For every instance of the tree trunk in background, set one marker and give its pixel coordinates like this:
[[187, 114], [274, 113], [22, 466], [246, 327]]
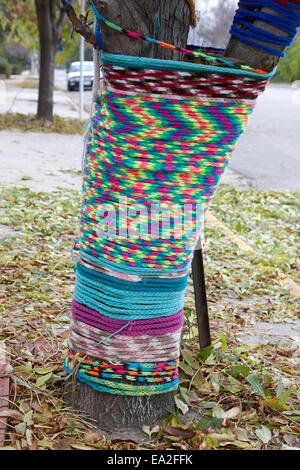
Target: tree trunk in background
[[125, 413], [50, 29]]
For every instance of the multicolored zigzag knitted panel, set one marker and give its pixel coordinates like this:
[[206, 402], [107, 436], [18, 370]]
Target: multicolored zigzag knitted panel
[[159, 143]]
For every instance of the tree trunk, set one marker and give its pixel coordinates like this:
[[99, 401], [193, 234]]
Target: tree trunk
[[143, 16], [49, 32], [117, 412], [46, 83]]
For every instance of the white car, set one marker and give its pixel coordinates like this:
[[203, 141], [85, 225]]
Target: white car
[[73, 75]]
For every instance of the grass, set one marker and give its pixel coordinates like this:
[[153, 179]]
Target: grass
[[33, 83], [29, 123], [246, 396]]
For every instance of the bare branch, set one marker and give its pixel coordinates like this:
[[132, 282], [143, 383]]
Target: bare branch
[[81, 26], [61, 22], [239, 51]]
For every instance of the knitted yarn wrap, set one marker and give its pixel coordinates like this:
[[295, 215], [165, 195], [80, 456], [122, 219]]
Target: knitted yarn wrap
[[162, 135]]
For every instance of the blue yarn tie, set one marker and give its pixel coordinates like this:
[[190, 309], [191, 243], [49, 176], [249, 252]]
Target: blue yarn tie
[[158, 26], [98, 34]]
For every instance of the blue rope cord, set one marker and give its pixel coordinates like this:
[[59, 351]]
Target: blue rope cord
[[287, 21], [158, 26], [98, 34], [145, 285], [126, 305]]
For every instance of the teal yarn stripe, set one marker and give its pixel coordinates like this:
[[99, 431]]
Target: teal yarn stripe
[[150, 285], [162, 64], [129, 308]]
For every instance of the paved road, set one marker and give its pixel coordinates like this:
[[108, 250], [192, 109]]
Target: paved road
[[61, 82], [268, 154]]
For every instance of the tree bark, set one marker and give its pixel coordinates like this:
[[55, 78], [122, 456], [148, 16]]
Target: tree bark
[[50, 29], [117, 412], [141, 16]]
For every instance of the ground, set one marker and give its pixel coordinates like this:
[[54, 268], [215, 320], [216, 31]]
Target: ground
[[242, 392]]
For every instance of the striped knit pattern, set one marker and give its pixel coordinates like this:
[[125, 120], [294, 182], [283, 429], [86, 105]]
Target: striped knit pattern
[[115, 377], [149, 348], [159, 144]]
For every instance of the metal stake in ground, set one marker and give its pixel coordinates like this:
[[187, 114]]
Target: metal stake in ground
[[200, 297]]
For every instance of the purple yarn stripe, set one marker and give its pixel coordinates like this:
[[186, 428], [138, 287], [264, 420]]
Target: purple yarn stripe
[[155, 326]]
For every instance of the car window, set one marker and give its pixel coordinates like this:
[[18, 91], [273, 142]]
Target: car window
[[74, 68], [87, 67]]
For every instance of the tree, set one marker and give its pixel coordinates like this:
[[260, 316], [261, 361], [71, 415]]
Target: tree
[[289, 69], [38, 23], [51, 19], [117, 411], [18, 23]]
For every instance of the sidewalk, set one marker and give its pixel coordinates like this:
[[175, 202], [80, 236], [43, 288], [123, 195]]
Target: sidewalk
[[24, 100], [41, 162]]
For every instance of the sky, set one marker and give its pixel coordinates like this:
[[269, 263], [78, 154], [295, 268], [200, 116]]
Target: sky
[[212, 2]]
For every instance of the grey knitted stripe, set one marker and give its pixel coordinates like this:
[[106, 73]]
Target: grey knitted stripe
[[123, 348]]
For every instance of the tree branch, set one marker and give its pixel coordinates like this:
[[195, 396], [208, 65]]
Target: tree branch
[[52, 15], [61, 21], [81, 25], [241, 52]]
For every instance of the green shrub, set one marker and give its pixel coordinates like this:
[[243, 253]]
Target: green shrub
[[289, 68], [5, 68], [16, 68]]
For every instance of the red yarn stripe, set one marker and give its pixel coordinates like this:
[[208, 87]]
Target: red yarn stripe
[[284, 2]]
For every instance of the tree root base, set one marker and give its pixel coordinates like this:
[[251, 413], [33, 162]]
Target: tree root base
[[119, 414]]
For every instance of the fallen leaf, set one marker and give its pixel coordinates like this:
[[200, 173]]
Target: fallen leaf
[[179, 432], [20, 429], [45, 444], [43, 379], [241, 434], [91, 437], [14, 414], [28, 418], [181, 405], [233, 412], [264, 434], [80, 447]]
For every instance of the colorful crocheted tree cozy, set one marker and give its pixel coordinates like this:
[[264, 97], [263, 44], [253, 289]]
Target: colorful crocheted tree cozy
[[162, 135]]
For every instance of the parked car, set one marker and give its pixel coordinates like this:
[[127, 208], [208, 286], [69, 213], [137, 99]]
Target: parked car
[[73, 75]]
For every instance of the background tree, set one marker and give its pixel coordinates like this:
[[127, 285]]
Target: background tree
[[38, 24], [51, 18], [18, 33], [289, 69]]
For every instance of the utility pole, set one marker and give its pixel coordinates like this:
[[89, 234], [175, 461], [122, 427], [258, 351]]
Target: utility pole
[[81, 83]]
